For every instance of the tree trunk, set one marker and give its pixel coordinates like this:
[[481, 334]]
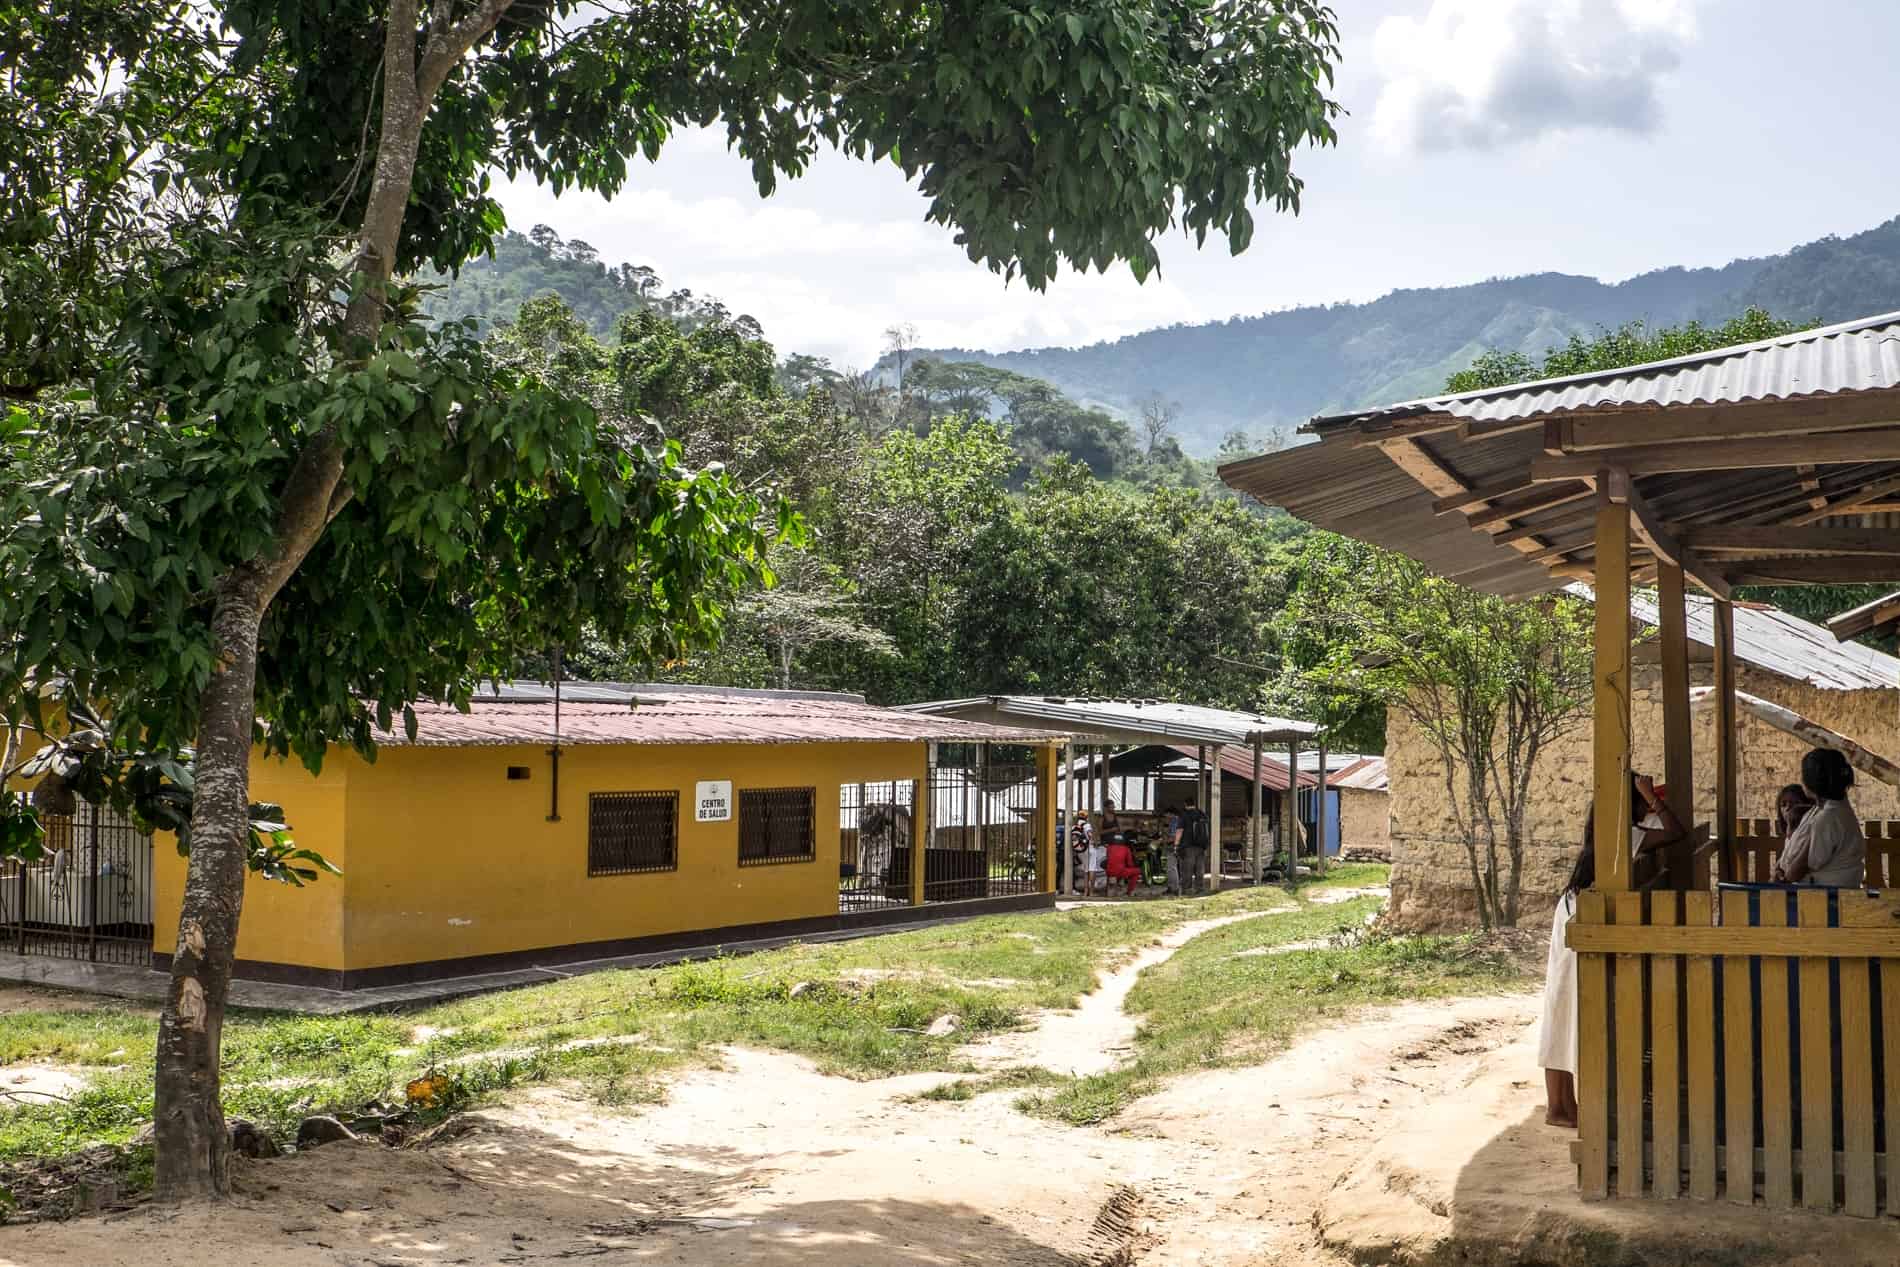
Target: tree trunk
[[194, 1148], [192, 1142]]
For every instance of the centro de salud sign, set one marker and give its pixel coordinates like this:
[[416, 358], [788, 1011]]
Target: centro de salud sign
[[713, 801]]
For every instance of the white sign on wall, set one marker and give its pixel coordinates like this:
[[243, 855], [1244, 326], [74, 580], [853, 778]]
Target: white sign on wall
[[713, 801]]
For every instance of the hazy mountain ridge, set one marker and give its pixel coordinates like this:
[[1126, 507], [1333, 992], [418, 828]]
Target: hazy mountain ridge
[[1275, 370]]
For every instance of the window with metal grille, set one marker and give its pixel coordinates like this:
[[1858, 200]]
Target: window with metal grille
[[632, 831], [777, 824]]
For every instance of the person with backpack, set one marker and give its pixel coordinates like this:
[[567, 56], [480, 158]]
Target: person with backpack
[[1191, 841]]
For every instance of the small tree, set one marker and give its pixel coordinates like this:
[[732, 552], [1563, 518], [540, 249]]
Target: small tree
[[1157, 418], [1488, 682], [811, 606]]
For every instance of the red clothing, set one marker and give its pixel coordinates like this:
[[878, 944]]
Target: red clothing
[[1121, 865]]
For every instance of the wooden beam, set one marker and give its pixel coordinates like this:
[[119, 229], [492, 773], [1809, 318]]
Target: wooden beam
[[1319, 814], [1719, 453], [1802, 571], [1419, 462], [1423, 425], [1213, 826], [1725, 737], [1804, 942], [1678, 739], [1290, 814], [1475, 498], [1618, 487], [1494, 518], [1732, 422], [1865, 508], [1611, 748], [1436, 476], [1757, 541], [1844, 503]]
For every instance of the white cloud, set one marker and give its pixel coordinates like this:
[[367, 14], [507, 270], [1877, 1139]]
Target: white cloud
[[1479, 74]]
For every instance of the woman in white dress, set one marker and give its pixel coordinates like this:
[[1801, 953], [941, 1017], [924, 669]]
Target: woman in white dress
[[1653, 826]]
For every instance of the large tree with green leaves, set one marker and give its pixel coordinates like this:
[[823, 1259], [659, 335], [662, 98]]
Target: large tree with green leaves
[[249, 481]]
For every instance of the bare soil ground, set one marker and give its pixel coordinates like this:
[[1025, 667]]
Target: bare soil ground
[[768, 1162]]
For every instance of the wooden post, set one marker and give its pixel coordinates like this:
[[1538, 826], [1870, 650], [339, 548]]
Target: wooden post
[[1725, 733], [1213, 826], [1319, 814], [1678, 741], [1611, 773], [925, 827], [1290, 816], [1253, 860]]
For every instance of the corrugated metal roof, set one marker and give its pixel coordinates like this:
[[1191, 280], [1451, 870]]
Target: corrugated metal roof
[[1853, 356], [1238, 761], [1771, 639], [689, 718], [1866, 618], [1156, 720], [1371, 774]]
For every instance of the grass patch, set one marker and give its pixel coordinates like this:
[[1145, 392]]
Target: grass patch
[[1213, 1004], [964, 1089], [858, 1008]]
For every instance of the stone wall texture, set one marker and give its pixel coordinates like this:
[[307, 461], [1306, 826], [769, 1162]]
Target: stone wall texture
[[1431, 875], [1364, 820]]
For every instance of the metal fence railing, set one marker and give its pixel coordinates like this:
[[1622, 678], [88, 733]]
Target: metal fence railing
[[985, 817], [874, 842], [89, 897]]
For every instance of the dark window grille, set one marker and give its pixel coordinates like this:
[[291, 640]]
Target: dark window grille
[[629, 832], [777, 824]]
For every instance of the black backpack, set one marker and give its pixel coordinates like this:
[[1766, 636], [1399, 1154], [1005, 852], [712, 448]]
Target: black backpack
[[1194, 830]]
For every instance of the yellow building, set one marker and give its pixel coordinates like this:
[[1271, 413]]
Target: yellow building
[[526, 832]]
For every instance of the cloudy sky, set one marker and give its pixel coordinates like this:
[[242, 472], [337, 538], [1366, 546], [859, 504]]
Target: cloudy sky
[[1485, 138]]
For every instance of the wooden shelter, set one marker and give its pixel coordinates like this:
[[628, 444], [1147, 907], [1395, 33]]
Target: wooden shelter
[[1743, 1043], [1097, 727]]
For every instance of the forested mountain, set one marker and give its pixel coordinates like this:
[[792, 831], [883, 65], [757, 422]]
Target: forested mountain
[[536, 263], [1275, 370]]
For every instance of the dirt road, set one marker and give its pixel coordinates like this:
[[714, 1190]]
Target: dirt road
[[768, 1162]]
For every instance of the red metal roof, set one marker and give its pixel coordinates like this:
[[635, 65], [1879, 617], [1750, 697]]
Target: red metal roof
[[1238, 761], [695, 718]]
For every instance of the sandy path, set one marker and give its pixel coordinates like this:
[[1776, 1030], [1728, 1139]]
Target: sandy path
[[768, 1162], [1098, 1033]]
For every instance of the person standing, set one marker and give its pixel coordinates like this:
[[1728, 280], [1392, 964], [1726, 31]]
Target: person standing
[[1828, 847], [1653, 826], [1170, 837], [1190, 846]]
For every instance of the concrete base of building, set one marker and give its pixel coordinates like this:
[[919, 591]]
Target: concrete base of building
[[290, 987]]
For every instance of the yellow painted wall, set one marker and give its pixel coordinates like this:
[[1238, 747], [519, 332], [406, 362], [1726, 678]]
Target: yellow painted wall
[[444, 857], [450, 859], [281, 923]]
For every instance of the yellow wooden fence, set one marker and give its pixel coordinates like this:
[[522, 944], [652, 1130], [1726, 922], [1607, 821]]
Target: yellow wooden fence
[[1753, 850], [1745, 1044]]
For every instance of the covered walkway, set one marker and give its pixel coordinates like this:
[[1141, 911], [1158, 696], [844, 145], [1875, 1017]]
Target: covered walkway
[[1097, 728]]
